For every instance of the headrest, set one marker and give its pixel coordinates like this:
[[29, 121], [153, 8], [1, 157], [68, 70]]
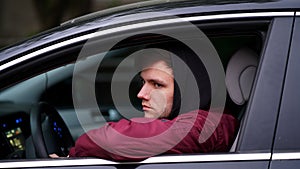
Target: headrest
[[240, 75]]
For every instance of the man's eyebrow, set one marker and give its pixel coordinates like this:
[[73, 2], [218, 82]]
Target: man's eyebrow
[[157, 81], [154, 79]]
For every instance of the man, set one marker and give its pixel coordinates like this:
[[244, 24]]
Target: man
[[172, 122]]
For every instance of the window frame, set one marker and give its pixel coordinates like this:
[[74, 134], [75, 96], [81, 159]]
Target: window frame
[[286, 143]]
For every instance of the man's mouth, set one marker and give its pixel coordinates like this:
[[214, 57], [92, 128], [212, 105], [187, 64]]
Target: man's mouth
[[146, 107]]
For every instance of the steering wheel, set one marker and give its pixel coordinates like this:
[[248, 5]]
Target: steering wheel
[[49, 132]]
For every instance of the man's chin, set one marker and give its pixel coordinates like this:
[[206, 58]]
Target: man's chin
[[150, 115]]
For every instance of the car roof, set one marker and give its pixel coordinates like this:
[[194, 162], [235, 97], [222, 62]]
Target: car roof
[[176, 7], [171, 7]]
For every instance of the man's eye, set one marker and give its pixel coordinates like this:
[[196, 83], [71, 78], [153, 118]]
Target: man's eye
[[157, 85]]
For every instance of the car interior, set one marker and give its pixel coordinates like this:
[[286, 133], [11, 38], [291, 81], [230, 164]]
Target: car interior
[[42, 99]]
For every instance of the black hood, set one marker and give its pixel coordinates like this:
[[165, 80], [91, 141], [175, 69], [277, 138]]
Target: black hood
[[192, 89]]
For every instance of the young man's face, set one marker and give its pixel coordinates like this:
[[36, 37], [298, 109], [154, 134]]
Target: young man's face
[[157, 91]]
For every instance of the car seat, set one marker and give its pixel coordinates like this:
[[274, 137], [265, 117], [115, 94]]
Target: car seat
[[240, 74]]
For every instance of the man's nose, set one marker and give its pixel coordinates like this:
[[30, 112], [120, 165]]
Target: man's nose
[[144, 93]]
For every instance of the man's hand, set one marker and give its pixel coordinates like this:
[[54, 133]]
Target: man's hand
[[56, 156]]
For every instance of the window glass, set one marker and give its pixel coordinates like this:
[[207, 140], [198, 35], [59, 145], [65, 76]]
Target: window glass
[[56, 87]]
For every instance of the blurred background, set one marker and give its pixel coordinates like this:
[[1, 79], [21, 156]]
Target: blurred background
[[20, 19]]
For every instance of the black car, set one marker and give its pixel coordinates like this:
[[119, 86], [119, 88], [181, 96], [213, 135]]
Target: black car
[[47, 81]]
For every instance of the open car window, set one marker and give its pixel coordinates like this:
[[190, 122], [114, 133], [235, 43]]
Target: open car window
[[55, 85]]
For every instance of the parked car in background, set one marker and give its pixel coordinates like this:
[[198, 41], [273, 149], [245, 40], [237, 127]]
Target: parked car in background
[[46, 81]]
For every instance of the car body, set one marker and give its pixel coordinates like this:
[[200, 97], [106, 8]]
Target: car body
[[41, 68]]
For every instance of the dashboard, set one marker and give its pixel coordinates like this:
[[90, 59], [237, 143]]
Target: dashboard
[[15, 129]]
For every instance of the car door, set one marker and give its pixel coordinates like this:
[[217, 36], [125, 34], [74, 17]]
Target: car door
[[255, 140], [287, 139], [259, 123]]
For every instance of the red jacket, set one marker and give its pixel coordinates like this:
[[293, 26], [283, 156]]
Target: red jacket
[[141, 138]]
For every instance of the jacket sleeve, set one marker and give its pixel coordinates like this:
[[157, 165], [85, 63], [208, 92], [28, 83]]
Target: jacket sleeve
[[122, 141], [141, 138]]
